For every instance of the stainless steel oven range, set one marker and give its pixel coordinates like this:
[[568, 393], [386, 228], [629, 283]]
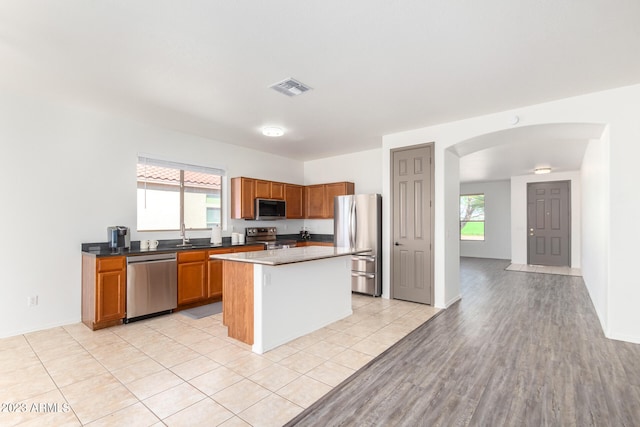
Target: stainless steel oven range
[[268, 237]]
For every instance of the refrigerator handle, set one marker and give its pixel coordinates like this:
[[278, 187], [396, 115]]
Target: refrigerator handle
[[353, 226]]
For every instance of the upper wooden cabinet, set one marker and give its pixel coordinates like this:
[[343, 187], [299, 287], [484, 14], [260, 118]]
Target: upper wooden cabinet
[[312, 201], [269, 190], [294, 196], [277, 190], [243, 195], [335, 189], [319, 198]]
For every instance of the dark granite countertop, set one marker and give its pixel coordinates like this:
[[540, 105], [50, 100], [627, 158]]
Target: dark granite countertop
[[101, 249]]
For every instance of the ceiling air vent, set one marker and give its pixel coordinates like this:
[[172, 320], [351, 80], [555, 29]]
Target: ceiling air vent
[[290, 87]]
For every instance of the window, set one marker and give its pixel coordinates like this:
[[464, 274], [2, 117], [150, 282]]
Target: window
[[170, 194], [472, 217]]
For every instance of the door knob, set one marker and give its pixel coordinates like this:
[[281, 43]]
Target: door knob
[[397, 244]]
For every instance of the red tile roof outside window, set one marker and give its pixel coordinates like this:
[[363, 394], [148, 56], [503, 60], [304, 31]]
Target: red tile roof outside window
[[170, 176]]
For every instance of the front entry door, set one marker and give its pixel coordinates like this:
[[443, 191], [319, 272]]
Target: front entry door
[[412, 260], [549, 223]]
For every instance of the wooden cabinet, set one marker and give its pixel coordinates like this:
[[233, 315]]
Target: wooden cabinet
[[263, 189], [332, 190], [192, 277], [215, 272], [269, 190], [277, 190], [214, 289], [104, 284], [314, 244], [319, 198], [294, 196], [312, 201], [243, 195]]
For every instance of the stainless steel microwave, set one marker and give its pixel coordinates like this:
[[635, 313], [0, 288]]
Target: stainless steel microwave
[[268, 209]]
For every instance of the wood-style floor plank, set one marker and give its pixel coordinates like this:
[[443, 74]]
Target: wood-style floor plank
[[519, 349]]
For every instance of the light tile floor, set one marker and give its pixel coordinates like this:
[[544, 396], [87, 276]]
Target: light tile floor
[[174, 370], [545, 269]]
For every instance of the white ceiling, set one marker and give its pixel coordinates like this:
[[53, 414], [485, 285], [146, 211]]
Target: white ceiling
[[377, 67]]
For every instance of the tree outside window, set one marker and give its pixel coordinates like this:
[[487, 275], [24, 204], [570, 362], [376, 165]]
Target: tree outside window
[[472, 217]]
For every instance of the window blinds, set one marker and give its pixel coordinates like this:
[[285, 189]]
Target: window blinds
[[176, 165]]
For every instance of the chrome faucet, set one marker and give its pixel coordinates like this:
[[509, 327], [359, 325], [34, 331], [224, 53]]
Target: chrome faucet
[[183, 234]]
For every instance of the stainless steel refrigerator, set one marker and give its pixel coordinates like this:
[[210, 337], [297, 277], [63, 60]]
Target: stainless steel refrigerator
[[358, 224]]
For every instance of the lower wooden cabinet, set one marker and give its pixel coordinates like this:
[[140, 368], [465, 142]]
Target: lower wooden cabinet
[[214, 288], [104, 286], [104, 283], [192, 277], [248, 248], [215, 272], [200, 278], [314, 244]]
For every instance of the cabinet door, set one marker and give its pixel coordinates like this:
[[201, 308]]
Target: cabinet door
[[314, 201], [263, 189], [214, 273], [277, 190], [243, 192], [333, 190], [294, 196], [192, 282], [215, 278], [110, 296]]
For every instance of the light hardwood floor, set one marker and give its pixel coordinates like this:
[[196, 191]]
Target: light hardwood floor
[[517, 350]]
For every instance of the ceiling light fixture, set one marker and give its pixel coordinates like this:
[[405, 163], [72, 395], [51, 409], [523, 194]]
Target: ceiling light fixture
[[540, 171], [272, 131]]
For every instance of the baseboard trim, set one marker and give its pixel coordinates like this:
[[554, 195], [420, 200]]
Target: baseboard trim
[[9, 334], [452, 301], [623, 337]]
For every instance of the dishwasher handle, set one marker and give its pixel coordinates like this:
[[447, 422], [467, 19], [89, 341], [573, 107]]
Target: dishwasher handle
[[148, 259]]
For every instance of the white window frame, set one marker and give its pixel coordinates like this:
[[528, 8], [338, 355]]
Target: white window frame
[[182, 167]]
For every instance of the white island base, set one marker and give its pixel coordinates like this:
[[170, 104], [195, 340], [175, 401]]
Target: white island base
[[295, 299], [269, 304]]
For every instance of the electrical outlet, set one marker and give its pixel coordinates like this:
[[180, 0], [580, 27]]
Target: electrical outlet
[[32, 301]]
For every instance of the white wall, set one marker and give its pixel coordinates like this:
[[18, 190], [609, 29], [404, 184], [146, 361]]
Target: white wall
[[519, 214], [66, 174], [497, 223], [595, 214], [364, 169], [617, 108]]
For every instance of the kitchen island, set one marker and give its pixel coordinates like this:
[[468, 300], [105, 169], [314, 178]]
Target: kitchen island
[[272, 297]]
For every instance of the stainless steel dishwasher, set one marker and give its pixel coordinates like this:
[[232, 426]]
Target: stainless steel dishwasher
[[152, 285]]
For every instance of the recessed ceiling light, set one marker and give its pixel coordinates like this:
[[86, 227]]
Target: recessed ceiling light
[[272, 131], [540, 171]]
